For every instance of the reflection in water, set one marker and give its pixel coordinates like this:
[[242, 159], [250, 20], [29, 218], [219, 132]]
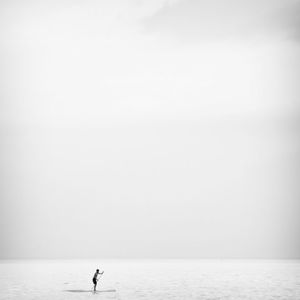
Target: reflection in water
[[89, 291]]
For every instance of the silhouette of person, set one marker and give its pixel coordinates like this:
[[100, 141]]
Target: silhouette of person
[[95, 278]]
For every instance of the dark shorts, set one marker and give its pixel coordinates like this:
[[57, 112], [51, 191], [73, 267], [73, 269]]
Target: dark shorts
[[94, 281]]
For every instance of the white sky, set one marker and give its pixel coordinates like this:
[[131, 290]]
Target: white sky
[[149, 129]]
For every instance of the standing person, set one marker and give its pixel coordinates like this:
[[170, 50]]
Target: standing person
[[95, 279]]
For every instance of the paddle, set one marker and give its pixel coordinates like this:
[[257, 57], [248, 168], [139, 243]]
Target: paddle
[[100, 276]]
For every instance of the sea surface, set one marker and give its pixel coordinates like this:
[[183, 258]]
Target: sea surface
[[151, 279]]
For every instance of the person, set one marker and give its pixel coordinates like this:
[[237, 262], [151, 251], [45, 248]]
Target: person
[[95, 278]]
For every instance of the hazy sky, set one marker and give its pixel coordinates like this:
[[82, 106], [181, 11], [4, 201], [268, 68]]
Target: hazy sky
[[149, 129]]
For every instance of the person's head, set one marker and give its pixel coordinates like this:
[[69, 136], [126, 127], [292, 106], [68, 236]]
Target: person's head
[[97, 270]]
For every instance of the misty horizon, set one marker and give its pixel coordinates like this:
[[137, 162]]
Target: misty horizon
[[139, 130]]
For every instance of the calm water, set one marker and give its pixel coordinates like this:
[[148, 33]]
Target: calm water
[[165, 279]]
